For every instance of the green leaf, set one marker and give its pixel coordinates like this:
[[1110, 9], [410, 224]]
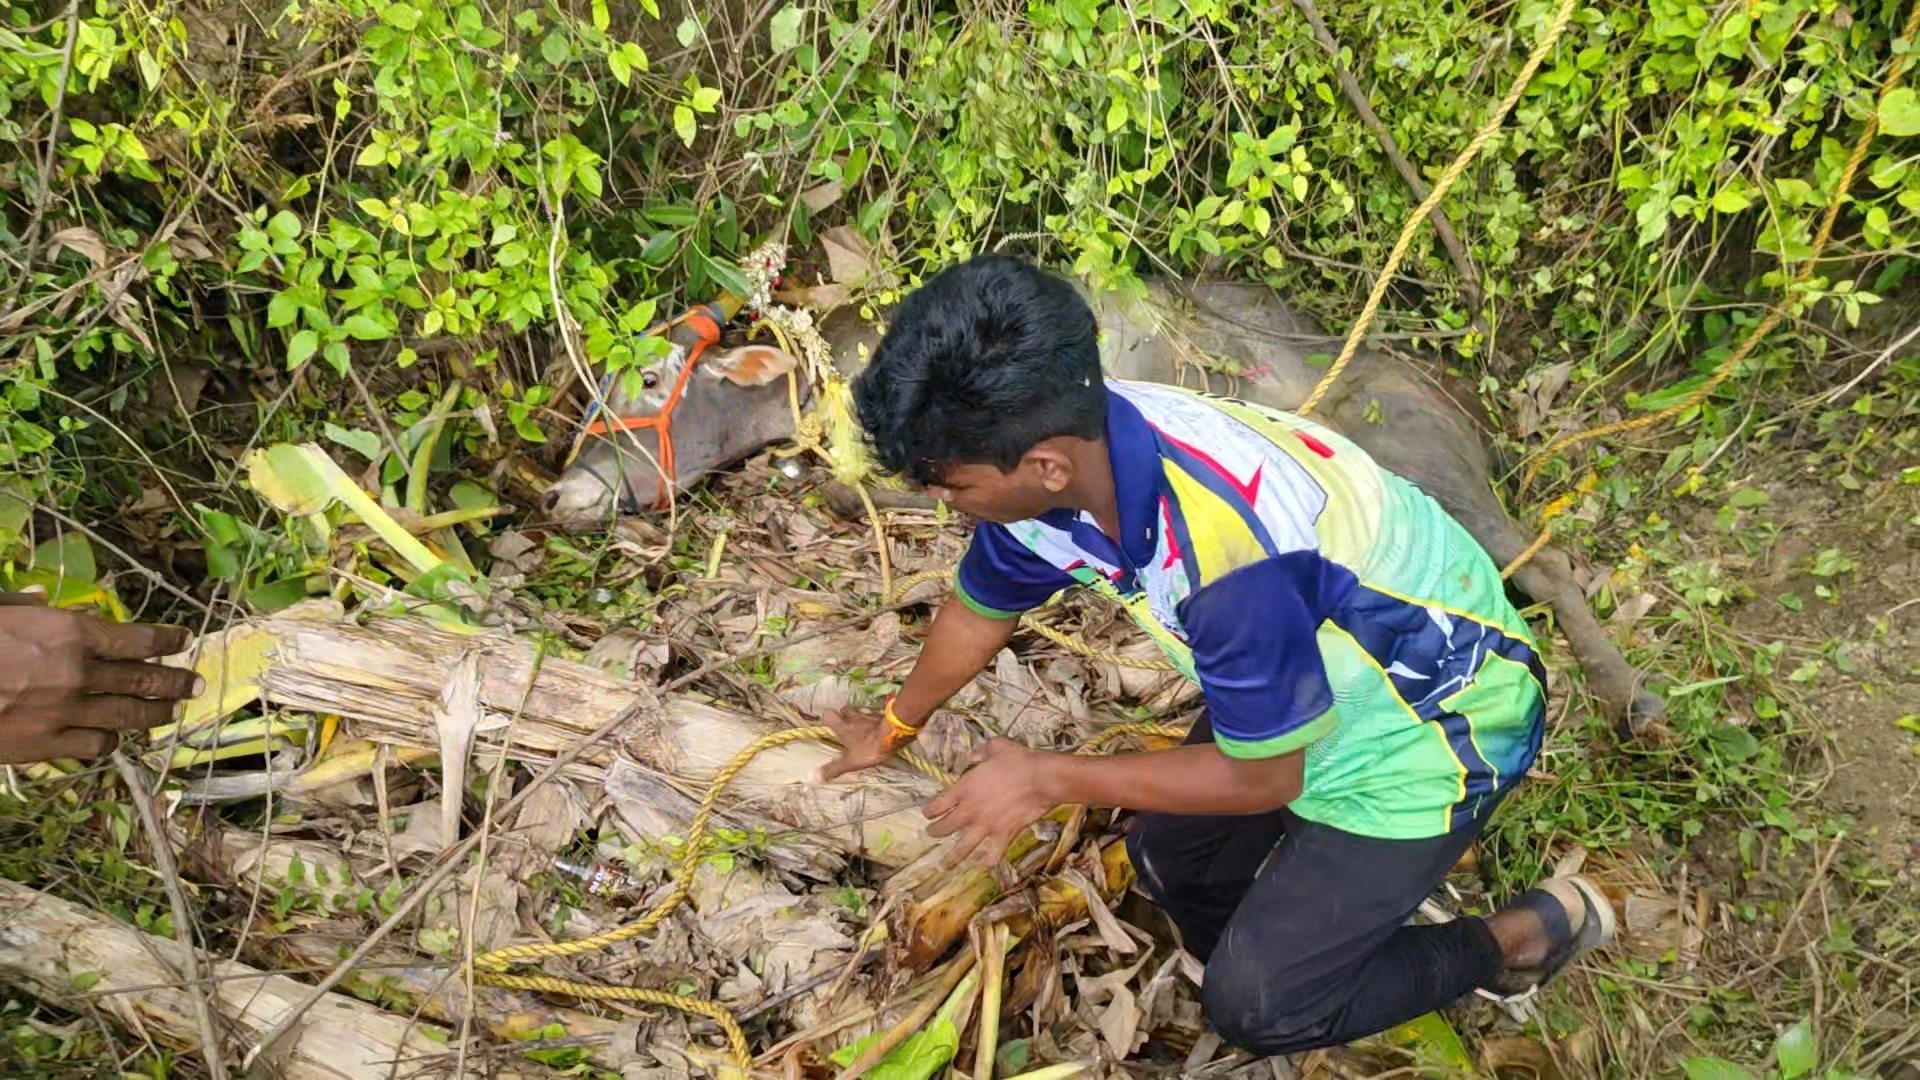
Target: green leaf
[[555, 50], [364, 443], [364, 328], [617, 64], [16, 509], [924, 1053], [400, 16], [282, 310], [1433, 1039], [304, 345], [684, 125], [726, 276], [1713, 1068], [1731, 200], [601, 20], [1797, 1051], [337, 356], [673, 216], [784, 27], [68, 556], [1116, 114], [706, 98], [687, 32], [1735, 744], [283, 226], [303, 480], [1900, 113]]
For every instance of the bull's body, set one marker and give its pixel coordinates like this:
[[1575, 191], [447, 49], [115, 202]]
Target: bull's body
[[1403, 416]]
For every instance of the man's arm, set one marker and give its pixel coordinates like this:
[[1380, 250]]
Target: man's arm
[[1253, 639], [1185, 780], [1015, 786], [960, 645], [997, 580]]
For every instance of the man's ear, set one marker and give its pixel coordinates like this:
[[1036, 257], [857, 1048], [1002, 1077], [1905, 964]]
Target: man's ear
[[1052, 464], [752, 365]]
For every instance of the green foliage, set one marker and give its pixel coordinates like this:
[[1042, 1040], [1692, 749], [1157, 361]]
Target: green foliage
[[1796, 1053], [377, 221]]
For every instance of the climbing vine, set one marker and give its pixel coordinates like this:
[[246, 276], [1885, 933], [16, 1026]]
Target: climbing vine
[[339, 188]]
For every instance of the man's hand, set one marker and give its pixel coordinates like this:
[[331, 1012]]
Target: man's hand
[[1008, 789], [865, 739], [70, 683]]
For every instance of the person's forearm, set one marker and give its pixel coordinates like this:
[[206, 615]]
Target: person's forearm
[[1184, 780], [960, 645]]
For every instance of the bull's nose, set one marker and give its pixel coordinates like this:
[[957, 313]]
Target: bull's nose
[[579, 495]]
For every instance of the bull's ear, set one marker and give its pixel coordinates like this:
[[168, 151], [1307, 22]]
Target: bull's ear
[[753, 365]]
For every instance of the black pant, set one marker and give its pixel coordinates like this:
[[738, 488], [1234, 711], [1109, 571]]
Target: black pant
[[1309, 948]]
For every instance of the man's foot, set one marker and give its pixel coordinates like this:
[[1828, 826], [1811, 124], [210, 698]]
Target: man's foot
[[1546, 929]]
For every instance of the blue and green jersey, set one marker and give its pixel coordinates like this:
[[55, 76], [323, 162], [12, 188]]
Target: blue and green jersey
[[1319, 601]]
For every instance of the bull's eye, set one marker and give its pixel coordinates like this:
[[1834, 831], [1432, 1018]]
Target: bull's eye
[[650, 379]]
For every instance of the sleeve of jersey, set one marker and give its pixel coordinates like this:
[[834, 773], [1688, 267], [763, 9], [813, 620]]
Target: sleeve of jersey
[[1000, 577], [1254, 650]]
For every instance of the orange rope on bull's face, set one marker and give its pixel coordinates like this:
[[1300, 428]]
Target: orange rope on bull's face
[[707, 332]]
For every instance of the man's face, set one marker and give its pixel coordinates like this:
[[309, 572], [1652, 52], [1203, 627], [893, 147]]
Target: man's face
[[984, 492]]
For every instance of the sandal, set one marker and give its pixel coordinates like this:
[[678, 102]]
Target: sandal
[[1597, 928]]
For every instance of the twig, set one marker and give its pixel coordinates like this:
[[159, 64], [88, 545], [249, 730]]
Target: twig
[[132, 563], [29, 249], [1806, 897], [450, 858], [480, 869], [1884, 356], [182, 917], [1357, 97]]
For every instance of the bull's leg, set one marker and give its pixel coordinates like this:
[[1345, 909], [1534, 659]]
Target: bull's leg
[[1548, 579]]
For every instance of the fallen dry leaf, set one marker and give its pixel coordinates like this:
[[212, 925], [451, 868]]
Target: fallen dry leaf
[[851, 260], [821, 196], [1120, 1023], [83, 240], [820, 298], [1533, 400], [454, 722], [1517, 1057]]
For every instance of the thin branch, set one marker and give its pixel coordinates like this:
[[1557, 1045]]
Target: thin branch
[[1885, 355], [134, 564], [1462, 262], [182, 916], [41, 197]]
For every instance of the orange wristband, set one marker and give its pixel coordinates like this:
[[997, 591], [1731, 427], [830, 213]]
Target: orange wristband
[[900, 730]]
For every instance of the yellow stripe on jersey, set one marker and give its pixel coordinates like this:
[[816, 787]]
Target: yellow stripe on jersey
[[1222, 541]]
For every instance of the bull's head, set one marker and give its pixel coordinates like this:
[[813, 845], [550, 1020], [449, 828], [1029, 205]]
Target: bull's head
[[701, 407]]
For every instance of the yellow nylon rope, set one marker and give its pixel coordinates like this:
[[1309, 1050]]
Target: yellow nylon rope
[[1774, 313], [1440, 188]]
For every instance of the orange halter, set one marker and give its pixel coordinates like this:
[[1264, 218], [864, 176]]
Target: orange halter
[[706, 331]]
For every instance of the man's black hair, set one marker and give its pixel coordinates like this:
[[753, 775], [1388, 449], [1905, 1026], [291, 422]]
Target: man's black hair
[[981, 363]]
